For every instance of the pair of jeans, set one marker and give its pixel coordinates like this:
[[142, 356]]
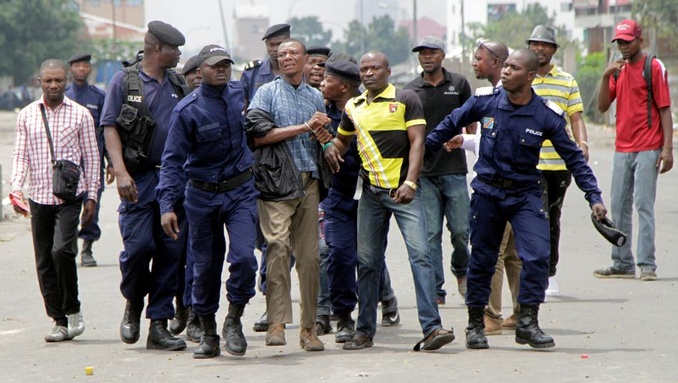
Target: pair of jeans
[[55, 229], [554, 184], [634, 182], [374, 213], [447, 196]]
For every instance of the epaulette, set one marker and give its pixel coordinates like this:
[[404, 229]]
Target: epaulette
[[552, 105], [253, 64], [97, 90], [188, 100], [486, 91]]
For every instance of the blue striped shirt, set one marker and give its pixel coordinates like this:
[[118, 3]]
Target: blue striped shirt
[[292, 106]]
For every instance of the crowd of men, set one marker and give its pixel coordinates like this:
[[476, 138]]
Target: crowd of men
[[298, 161]]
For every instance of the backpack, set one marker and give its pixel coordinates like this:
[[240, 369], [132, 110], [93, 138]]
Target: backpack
[[647, 75], [137, 125]]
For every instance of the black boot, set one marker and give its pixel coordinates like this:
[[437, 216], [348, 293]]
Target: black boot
[[129, 327], [345, 329], [193, 328], [159, 338], [528, 331], [209, 344], [178, 323], [475, 332], [232, 331]]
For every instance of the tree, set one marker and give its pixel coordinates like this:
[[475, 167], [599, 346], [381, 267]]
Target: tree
[[588, 76], [381, 35], [310, 31], [32, 31], [660, 15]]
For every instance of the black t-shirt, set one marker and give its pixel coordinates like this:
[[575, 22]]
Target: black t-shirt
[[438, 102]]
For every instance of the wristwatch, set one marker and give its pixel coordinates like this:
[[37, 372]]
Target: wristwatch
[[411, 184]]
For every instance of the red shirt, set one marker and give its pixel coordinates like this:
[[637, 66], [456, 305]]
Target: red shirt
[[630, 90], [72, 130]]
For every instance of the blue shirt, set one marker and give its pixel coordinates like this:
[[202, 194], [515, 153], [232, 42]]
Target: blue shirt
[[206, 141], [253, 78], [88, 96], [292, 106], [160, 100], [511, 140]]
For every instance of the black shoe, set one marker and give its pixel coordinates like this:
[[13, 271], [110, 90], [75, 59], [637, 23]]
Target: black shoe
[[193, 330], [178, 323], [209, 344], [86, 257], [475, 332], [345, 329], [528, 331], [159, 338], [129, 327], [261, 325], [322, 325], [389, 312], [236, 344]]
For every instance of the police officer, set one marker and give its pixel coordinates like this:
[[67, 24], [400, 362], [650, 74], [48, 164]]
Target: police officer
[[191, 73], [257, 72], [207, 134], [314, 69], [145, 93], [514, 122], [91, 98]]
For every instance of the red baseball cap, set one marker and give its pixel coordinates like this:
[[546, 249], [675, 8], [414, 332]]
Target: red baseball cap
[[627, 30]]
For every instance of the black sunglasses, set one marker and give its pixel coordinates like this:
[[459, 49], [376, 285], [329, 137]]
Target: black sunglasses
[[482, 45]]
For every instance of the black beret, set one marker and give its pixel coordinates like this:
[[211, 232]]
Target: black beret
[[319, 51], [166, 33], [607, 229], [277, 30], [345, 70], [191, 65], [79, 57]]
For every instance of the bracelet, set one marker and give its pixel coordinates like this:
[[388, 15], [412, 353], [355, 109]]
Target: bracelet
[[411, 184], [327, 145], [583, 143], [309, 127]]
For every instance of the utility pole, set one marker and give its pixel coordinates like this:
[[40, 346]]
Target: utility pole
[[223, 26]]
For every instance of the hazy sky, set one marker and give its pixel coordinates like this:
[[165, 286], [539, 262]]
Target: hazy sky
[[199, 19]]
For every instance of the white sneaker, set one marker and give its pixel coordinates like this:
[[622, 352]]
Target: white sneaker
[[552, 290], [76, 325]]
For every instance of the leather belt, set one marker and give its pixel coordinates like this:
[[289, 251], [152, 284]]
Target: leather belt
[[223, 186], [503, 183]]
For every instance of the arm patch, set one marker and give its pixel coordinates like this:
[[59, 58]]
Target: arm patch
[[253, 64], [485, 91], [555, 108]]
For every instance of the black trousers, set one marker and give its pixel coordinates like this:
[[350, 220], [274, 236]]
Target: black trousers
[[554, 184], [55, 230]]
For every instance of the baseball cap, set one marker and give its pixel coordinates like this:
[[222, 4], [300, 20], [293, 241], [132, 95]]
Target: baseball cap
[[627, 30], [212, 54]]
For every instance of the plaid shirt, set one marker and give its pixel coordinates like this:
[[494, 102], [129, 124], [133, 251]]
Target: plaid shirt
[[74, 139]]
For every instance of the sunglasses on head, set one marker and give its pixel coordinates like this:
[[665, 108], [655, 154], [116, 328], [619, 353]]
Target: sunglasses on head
[[481, 44]]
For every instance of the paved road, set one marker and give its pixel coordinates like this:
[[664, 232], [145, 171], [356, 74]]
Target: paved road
[[605, 330]]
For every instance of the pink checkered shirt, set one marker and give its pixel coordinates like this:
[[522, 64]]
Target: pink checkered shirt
[[74, 139]]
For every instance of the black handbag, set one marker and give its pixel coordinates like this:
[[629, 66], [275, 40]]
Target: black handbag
[[65, 173]]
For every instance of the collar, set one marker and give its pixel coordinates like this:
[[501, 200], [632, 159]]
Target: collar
[[212, 91], [66, 101], [505, 104], [552, 73], [447, 77], [389, 93]]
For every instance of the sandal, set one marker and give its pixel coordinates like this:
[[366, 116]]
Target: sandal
[[435, 340], [358, 342]]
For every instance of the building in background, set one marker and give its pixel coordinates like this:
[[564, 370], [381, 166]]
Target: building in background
[[251, 21]]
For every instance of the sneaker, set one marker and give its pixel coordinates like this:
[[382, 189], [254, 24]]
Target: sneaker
[[76, 325], [461, 286], [87, 260], [613, 272], [389, 313], [648, 275], [552, 290], [261, 325], [58, 334]]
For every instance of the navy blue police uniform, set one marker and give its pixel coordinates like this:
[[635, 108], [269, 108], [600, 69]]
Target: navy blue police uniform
[[92, 98], [507, 186], [211, 149]]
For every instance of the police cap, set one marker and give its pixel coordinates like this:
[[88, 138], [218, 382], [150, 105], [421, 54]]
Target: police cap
[[191, 65], [79, 57], [344, 70], [277, 30], [166, 33], [212, 54], [319, 51], [543, 33], [607, 229]]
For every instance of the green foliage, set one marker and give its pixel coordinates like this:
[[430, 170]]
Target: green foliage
[[381, 35], [32, 31], [310, 31], [107, 49], [661, 15], [588, 76]]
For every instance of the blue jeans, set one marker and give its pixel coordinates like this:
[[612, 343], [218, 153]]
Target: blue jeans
[[374, 212], [634, 181], [447, 196]]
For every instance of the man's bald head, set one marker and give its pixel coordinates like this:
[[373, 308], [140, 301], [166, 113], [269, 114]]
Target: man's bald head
[[53, 64], [376, 55], [528, 58], [497, 48]]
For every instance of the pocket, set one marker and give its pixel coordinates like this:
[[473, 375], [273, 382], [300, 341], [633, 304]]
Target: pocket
[[210, 132], [526, 154]]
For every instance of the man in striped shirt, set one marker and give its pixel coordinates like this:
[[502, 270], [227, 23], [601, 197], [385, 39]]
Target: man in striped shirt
[[54, 222], [560, 87]]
